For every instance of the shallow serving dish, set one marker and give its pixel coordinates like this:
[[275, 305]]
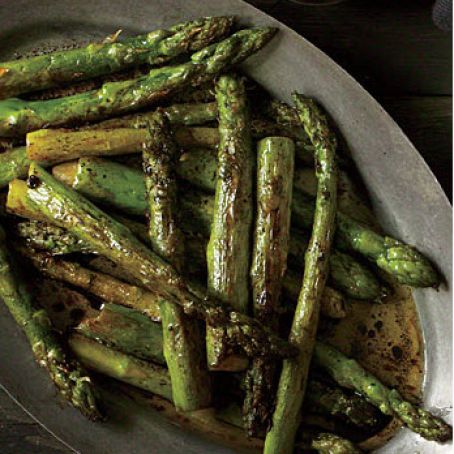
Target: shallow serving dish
[[406, 197]]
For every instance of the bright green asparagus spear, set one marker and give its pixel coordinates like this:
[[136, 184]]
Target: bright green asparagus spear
[[70, 379], [228, 248], [275, 165], [182, 337], [70, 210], [122, 187], [18, 117], [154, 48], [350, 374], [400, 260], [292, 384], [126, 330]]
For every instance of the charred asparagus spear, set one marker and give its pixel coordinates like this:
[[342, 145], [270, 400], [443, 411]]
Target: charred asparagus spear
[[350, 374], [71, 380], [99, 284], [182, 337], [66, 209], [123, 188], [275, 165], [154, 48], [294, 373], [18, 117], [228, 248]]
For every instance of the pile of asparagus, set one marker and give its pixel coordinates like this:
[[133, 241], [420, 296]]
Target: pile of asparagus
[[203, 225]]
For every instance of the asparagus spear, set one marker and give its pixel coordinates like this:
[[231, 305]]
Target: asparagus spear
[[68, 376], [70, 210], [182, 337], [154, 48], [294, 373], [275, 164], [126, 330], [134, 371], [18, 117], [228, 247], [178, 114], [59, 145], [99, 284], [350, 374], [404, 262]]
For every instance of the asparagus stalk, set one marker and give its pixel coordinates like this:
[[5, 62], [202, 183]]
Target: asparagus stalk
[[18, 117], [99, 284], [70, 210], [134, 371], [126, 330], [122, 187], [178, 114], [350, 374], [228, 248], [275, 165], [60, 145], [182, 337], [154, 48], [294, 373], [67, 374]]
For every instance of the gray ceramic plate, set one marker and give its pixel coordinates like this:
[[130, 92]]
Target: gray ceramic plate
[[407, 198]]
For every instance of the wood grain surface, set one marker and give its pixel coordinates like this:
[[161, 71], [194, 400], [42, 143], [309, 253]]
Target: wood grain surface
[[394, 50]]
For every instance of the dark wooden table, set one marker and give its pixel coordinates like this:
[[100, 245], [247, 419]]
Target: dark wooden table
[[397, 53]]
